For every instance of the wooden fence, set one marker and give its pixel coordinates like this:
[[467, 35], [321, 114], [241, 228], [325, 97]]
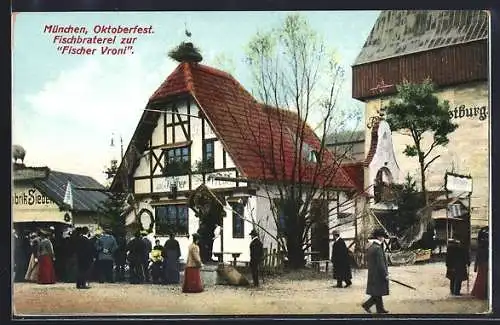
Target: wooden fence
[[272, 261]]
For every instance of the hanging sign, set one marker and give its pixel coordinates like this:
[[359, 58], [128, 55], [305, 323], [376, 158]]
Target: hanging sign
[[458, 183]]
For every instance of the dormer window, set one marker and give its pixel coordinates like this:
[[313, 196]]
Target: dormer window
[[313, 156], [309, 154]]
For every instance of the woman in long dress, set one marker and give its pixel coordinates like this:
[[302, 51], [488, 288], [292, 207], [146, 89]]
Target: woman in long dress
[[33, 267], [192, 276], [171, 255], [46, 273], [480, 289]]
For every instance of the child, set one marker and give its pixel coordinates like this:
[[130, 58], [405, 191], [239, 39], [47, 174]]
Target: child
[[157, 259]]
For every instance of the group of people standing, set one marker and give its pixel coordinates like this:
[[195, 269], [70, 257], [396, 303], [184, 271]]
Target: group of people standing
[[164, 260], [457, 260], [41, 261], [94, 257]]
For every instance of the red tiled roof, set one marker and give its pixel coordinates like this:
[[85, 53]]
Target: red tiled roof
[[251, 132], [373, 144], [356, 174]]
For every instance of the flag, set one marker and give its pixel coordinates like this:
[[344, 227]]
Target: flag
[[68, 196]]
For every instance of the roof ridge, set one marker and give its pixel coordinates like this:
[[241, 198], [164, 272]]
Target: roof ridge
[[188, 76], [214, 71]]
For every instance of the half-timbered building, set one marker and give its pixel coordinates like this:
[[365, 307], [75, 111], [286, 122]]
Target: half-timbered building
[[202, 127]]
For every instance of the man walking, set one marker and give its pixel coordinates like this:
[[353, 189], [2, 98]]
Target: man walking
[[106, 246], [84, 257], [340, 261], [378, 275], [256, 254]]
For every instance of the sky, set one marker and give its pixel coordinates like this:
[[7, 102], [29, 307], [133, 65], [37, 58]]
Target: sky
[[65, 108]]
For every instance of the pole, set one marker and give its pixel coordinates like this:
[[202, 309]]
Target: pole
[[222, 239], [468, 246]]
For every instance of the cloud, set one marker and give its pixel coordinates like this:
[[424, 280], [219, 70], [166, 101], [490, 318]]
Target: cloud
[[67, 124], [100, 92]]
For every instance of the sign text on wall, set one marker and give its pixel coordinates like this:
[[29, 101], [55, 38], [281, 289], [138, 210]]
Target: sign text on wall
[[31, 197], [480, 112], [166, 184]]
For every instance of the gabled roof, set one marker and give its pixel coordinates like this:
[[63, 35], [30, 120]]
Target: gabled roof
[[345, 137], [54, 187], [241, 123], [403, 32], [356, 172]]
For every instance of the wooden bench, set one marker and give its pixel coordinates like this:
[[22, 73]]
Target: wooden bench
[[220, 255], [317, 265]]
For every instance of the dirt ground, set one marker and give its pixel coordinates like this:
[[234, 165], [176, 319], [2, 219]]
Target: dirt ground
[[288, 294]]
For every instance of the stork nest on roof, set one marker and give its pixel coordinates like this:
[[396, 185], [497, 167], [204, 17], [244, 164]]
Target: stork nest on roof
[[185, 52]]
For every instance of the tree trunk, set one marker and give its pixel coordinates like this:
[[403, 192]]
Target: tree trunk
[[422, 181], [294, 240], [296, 255]]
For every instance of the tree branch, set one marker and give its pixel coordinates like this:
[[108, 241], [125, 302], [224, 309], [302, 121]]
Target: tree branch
[[430, 162]]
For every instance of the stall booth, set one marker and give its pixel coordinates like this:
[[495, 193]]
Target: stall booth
[[456, 223], [39, 201]]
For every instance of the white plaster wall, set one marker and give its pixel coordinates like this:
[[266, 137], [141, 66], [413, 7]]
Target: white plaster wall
[[157, 136]]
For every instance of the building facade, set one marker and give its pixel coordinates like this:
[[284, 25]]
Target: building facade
[[451, 48], [38, 199], [202, 127]]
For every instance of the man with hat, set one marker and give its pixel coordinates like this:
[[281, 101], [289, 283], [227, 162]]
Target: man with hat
[[340, 261], [106, 247], [256, 254], [378, 275], [136, 251], [457, 259], [84, 257]]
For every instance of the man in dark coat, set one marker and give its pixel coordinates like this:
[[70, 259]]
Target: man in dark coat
[[171, 254], [121, 258], [457, 259], [84, 257], [340, 261], [378, 275], [136, 251], [148, 249], [256, 254]]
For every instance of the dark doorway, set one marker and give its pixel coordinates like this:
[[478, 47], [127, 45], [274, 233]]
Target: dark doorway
[[320, 236]]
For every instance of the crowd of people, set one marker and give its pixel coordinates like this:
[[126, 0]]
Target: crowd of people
[[76, 255], [100, 257]]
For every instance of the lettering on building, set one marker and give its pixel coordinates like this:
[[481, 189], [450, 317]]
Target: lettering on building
[[31, 198], [166, 184], [462, 111]]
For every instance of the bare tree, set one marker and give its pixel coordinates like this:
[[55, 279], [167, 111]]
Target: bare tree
[[297, 80]]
